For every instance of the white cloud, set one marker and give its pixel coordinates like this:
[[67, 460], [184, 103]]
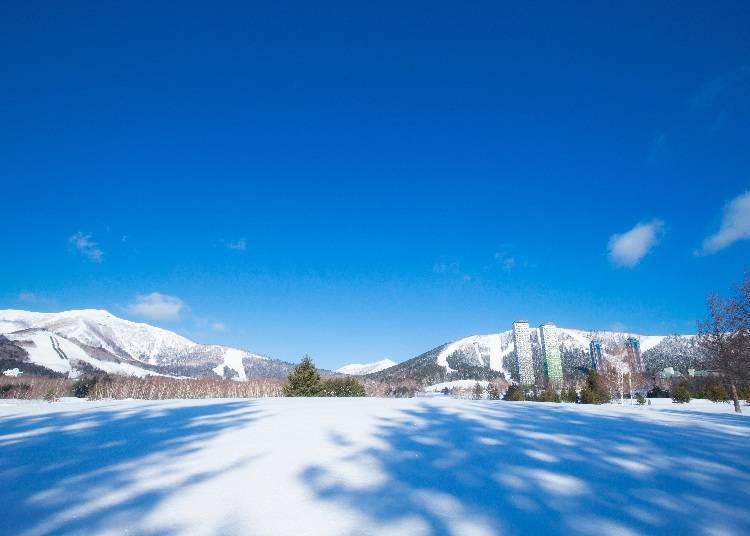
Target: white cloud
[[452, 269], [240, 245], [735, 225], [627, 249], [218, 326], [83, 243], [157, 306], [506, 262], [28, 297]]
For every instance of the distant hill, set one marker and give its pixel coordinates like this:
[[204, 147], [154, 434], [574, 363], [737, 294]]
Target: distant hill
[[95, 341], [357, 369], [488, 357]]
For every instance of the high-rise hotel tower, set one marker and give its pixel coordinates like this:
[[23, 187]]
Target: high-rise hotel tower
[[595, 349], [522, 342], [551, 352], [633, 349]]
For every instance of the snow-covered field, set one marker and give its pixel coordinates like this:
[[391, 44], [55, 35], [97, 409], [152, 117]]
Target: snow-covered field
[[372, 466]]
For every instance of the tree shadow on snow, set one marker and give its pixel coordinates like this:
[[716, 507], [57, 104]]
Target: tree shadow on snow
[[507, 468], [80, 470]]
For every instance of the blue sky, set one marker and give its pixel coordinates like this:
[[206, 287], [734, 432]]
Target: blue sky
[[360, 182]]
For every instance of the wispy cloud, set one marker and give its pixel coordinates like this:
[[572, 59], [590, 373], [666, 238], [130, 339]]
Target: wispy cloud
[[218, 326], [28, 297], [85, 245], [451, 268], [658, 142], [627, 249], [719, 97], [506, 262], [713, 90], [239, 245], [735, 225], [156, 306]]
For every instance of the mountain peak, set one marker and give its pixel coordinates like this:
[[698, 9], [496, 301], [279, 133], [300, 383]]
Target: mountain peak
[[74, 341], [358, 369]]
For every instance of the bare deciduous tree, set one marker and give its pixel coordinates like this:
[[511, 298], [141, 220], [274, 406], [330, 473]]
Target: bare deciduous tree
[[724, 337]]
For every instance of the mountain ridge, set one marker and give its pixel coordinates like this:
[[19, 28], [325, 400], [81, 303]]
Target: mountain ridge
[[85, 340], [492, 356], [88, 341], [359, 369]]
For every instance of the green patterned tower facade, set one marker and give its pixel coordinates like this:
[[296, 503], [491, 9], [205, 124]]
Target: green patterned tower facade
[[551, 353]]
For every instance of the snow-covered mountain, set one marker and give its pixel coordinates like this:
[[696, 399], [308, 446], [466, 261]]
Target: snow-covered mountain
[[84, 341], [74, 342], [488, 357], [359, 369]]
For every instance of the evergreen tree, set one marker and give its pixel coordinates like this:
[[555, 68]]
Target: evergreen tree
[[595, 391], [658, 392], [493, 393], [304, 380], [570, 395], [346, 386], [640, 398], [514, 394], [681, 395], [548, 395], [717, 393], [478, 391], [83, 387], [588, 396]]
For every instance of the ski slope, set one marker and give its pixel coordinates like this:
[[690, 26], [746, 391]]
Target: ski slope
[[113, 345], [373, 467], [359, 369]]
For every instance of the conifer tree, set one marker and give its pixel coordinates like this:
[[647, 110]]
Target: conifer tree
[[681, 395], [347, 386], [304, 380], [595, 391], [570, 395], [717, 393], [514, 393]]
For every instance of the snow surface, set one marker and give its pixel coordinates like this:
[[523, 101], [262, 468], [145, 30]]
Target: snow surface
[[43, 353], [372, 466], [358, 369], [478, 345]]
